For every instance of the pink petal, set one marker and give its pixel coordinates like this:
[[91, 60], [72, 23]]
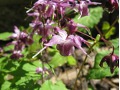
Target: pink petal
[[55, 40], [16, 30], [63, 34]]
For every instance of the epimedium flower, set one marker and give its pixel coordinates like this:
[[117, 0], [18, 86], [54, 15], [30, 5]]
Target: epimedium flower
[[16, 55], [73, 27], [21, 36], [82, 7], [48, 8], [41, 70], [112, 61], [113, 4], [66, 43], [44, 30], [61, 6], [110, 5], [45, 8], [21, 39]]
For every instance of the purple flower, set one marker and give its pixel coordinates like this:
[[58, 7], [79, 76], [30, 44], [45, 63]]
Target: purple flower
[[66, 43], [50, 11], [82, 7], [112, 61], [16, 34], [61, 6], [44, 30], [21, 39], [72, 27], [19, 46], [110, 5], [113, 5], [16, 55], [21, 36], [41, 70]]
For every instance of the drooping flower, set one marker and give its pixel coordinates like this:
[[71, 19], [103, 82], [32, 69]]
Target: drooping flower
[[112, 61]]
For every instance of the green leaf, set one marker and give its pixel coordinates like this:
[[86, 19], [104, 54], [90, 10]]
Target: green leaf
[[116, 51], [48, 85], [115, 42], [8, 48], [71, 60], [105, 26], [91, 20], [99, 57], [111, 32], [6, 85], [105, 29], [29, 67], [37, 63], [57, 60], [101, 73], [2, 59], [22, 80], [5, 36], [98, 72], [36, 45]]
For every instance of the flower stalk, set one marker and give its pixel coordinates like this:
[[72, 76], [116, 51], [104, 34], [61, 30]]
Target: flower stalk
[[80, 68]]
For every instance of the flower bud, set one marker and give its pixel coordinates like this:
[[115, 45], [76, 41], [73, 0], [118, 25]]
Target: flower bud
[[39, 70]]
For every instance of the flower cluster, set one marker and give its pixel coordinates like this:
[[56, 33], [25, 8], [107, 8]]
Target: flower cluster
[[50, 21], [21, 39]]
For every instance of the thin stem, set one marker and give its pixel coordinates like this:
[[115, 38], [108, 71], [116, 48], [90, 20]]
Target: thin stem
[[99, 31], [42, 72], [86, 35], [80, 68], [102, 36], [111, 25], [39, 52]]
